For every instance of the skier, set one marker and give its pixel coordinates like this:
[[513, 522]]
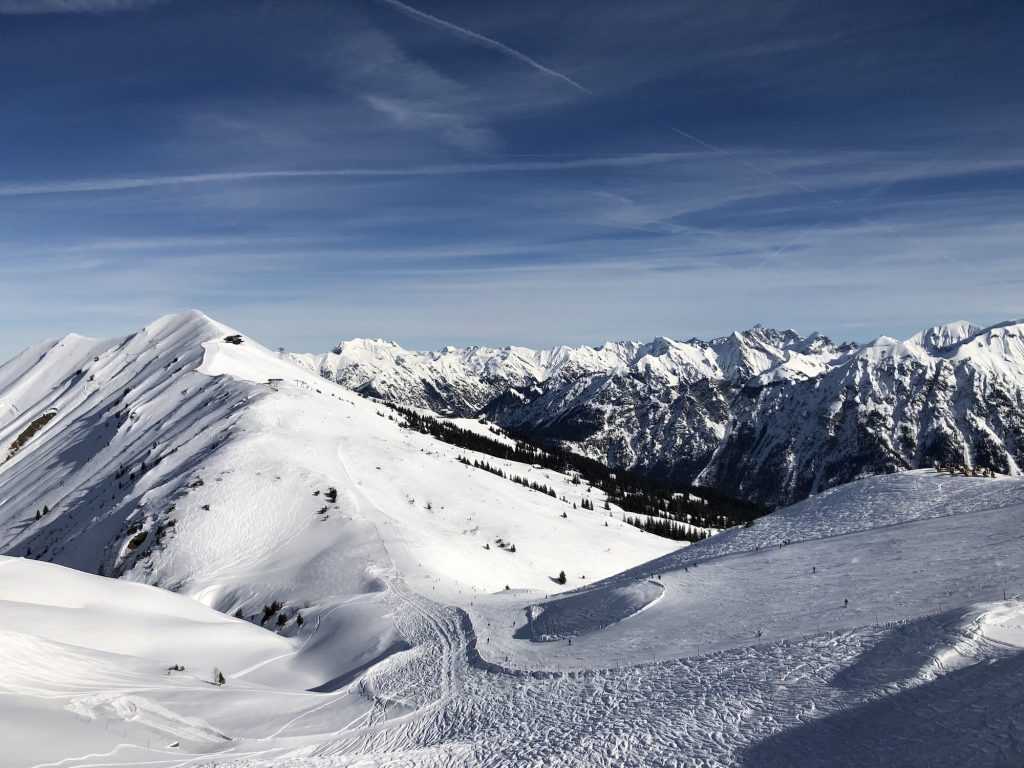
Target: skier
[[846, 602]]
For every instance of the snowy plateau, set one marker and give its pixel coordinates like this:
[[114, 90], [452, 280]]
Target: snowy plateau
[[766, 415], [214, 555]]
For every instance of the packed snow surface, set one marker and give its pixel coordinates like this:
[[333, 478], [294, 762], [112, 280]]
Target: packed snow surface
[[879, 623]]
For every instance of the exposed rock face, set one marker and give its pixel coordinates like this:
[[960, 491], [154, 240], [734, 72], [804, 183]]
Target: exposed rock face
[[763, 414]]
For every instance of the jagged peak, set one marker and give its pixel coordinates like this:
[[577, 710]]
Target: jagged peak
[[758, 333], [661, 345], [940, 337], [1009, 327], [816, 342]]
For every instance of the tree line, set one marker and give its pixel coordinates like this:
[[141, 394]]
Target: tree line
[[666, 528], [526, 482], [635, 492]]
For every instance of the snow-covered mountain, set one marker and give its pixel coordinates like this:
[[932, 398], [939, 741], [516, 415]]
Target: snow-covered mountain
[[769, 415], [188, 456], [463, 381], [157, 456], [370, 607]]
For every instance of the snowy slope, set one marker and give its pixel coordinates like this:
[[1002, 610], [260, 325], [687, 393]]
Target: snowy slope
[[740, 652], [152, 429], [179, 458], [881, 543], [170, 460], [762, 414], [105, 669]]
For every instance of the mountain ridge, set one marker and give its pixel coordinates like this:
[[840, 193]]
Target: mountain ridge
[[726, 410], [159, 441]]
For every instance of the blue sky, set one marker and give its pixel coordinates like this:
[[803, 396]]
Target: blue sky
[[531, 172]]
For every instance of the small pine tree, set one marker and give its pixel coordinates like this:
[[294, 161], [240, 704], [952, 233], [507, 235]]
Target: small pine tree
[[270, 610], [218, 677]]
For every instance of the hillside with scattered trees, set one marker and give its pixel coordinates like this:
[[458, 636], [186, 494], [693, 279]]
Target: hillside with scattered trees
[[675, 507]]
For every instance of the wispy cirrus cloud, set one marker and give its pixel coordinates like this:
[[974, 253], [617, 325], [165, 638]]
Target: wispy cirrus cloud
[[453, 127], [372, 69], [34, 7]]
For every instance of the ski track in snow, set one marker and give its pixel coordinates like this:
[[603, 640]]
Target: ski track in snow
[[707, 711]]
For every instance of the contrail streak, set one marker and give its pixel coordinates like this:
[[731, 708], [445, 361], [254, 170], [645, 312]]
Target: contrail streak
[[118, 184], [484, 40]]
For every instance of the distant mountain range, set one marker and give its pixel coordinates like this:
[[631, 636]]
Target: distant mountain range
[[768, 415]]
